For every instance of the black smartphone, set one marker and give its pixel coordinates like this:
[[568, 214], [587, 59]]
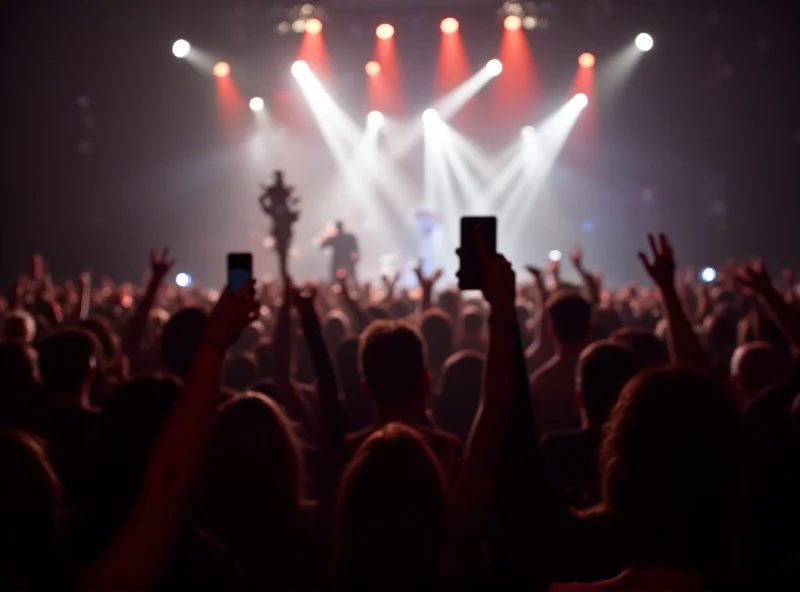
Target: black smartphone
[[469, 274], [240, 270]]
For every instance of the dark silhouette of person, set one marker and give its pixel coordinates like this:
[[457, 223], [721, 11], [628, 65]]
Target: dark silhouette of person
[[345, 254]]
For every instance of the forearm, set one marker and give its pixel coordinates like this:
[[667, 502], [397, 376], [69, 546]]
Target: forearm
[[327, 388], [138, 322], [282, 340], [140, 551], [685, 346], [783, 314]]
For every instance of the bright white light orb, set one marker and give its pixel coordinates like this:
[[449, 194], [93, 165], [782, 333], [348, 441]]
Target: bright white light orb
[[581, 100], [530, 22], [708, 275], [300, 68], [528, 132], [183, 280], [375, 118], [256, 104], [181, 48], [554, 255], [429, 116], [644, 42], [494, 67]]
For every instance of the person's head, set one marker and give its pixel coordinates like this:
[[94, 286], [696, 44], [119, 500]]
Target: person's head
[[460, 394], [437, 329], [390, 515], [651, 350], [19, 325], [335, 330], [30, 512], [18, 369], [339, 227], [450, 302], [607, 319], [604, 368], [378, 313], [254, 465], [722, 333], [569, 315], [68, 360], [241, 370], [391, 360], [399, 309], [756, 365], [180, 338], [669, 467], [473, 322]]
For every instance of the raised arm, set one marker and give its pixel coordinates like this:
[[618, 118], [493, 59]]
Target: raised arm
[[589, 281], [784, 314], [473, 488], [426, 283], [542, 347], [140, 551], [358, 315], [684, 344], [160, 266], [282, 339], [327, 387]]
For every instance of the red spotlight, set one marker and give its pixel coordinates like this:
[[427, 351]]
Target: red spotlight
[[373, 68], [512, 23], [449, 26], [221, 69], [385, 31], [586, 60], [313, 26]]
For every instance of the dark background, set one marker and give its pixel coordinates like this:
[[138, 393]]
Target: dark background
[[111, 145]]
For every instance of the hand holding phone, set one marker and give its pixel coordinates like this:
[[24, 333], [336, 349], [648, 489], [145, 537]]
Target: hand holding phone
[[469, 273], [240, 270]]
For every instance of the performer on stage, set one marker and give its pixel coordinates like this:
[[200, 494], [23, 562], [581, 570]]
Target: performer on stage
[[427, 222], [345, 251]]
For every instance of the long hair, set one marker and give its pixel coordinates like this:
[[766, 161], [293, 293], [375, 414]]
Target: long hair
[[390, 518]]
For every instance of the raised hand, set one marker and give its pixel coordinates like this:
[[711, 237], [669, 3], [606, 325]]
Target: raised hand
[[662, 268], [576, 256], [426, 282], [497, 279], [535, 272], [161, 264], [755, 277], [304, 300], [232, 313], [554, 269]]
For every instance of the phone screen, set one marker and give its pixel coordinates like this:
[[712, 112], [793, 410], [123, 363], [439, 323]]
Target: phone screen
[[469, 275], [240, 270]]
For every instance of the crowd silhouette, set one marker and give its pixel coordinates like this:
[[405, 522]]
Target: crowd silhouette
[[546, 436]]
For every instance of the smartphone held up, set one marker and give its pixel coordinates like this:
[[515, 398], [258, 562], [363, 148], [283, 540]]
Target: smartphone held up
[[485, 228], [240, 270]]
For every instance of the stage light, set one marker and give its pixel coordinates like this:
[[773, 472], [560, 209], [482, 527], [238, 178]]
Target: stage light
[[181, 48], [586, 60], [313, 26], [554, 255], [530, 22], [375, 118], [183, 280], [300, 68], [528, 131], [373, 68], [299, 26], [644, 42], [449, 26], [222, 69], [256, 104], [385, 31], [429, 116], [581, 100], [494, 67], [708, 275], [307, 9], [512, 23]]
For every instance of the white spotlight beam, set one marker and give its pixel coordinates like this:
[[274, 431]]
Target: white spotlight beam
[[446, 107], [541, 154]]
